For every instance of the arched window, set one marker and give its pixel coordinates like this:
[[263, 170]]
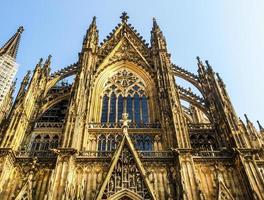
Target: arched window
[[44, 142], [144, 105], [112, 115], [137, 117], [125, 92], [101, 143], [143, 142], [120, 106], [105, 109], [130, 107], [36, 143], [55, 142], [108, 143]]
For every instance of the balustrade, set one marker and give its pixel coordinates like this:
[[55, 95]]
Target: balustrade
[[49, 125], [119, 125], [38, 154]]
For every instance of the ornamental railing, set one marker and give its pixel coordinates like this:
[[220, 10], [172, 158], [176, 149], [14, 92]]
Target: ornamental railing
[[142, 154], [38, 154], [95, 154], [49, 125], [119, 125], [213, 153], [156, 154], [202, 126]]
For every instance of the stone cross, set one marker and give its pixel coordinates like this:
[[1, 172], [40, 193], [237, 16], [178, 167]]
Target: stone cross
[[124, 17]]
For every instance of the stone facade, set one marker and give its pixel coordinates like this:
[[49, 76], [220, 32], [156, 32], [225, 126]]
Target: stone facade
[[120, 131]]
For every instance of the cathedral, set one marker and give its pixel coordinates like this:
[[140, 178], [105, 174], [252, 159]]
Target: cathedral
[[124, 129]]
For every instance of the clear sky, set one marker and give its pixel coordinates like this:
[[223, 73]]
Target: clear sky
[[230, 34]]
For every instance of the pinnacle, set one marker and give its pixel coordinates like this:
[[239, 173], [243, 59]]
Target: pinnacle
[[124, 17], [260, 126], [94, 21]]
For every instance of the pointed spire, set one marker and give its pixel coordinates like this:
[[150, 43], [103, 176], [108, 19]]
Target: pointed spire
[[158, 41], [23, 85], [260, 126], [11, 46], [46, 67], [201, 68], [90, 40], [155, 24], [209, 67]]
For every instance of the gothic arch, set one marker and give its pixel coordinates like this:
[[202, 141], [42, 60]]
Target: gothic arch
[[61, 74], [125, 193], [187, 76], [196, 104], [102, 78], [52, 103]]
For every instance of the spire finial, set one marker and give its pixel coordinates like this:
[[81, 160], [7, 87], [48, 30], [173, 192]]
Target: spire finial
[[260, 126], [155, 24], [20, 29], [246, 118], [124, 17]]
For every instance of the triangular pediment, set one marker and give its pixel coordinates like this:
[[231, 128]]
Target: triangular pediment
[[125, 50], [126, 173], [223, 192], [121, 31]]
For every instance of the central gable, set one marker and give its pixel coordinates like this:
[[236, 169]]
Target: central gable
[[125, 50], [113, 39]]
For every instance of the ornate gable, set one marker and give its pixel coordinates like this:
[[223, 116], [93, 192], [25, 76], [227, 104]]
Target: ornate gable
[[124, 30], [126, 173], [125, 50]]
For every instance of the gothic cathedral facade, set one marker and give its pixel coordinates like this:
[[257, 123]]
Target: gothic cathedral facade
[[121, 130]]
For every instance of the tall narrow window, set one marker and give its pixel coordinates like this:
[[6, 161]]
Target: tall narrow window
[[144, 109], [120, 107], [101, 143], [137, 108], [105, 109], [112, 115], [130, 107]]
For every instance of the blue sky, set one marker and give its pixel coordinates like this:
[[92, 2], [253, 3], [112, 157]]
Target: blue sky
[[230, 34]]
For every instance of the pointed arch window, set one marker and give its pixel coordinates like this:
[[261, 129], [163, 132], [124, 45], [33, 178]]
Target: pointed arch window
[[105, 108], [120, 106], [125, 92], [112, 114], [44, 142]]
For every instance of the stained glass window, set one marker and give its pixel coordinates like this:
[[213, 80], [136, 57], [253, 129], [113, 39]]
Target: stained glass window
[[105, 109], [126, 93]]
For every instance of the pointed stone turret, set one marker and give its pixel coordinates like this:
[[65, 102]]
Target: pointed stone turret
[[11, 47], [6, 104], [90, 40], [158, 41], [23, 85], [46, 66]]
